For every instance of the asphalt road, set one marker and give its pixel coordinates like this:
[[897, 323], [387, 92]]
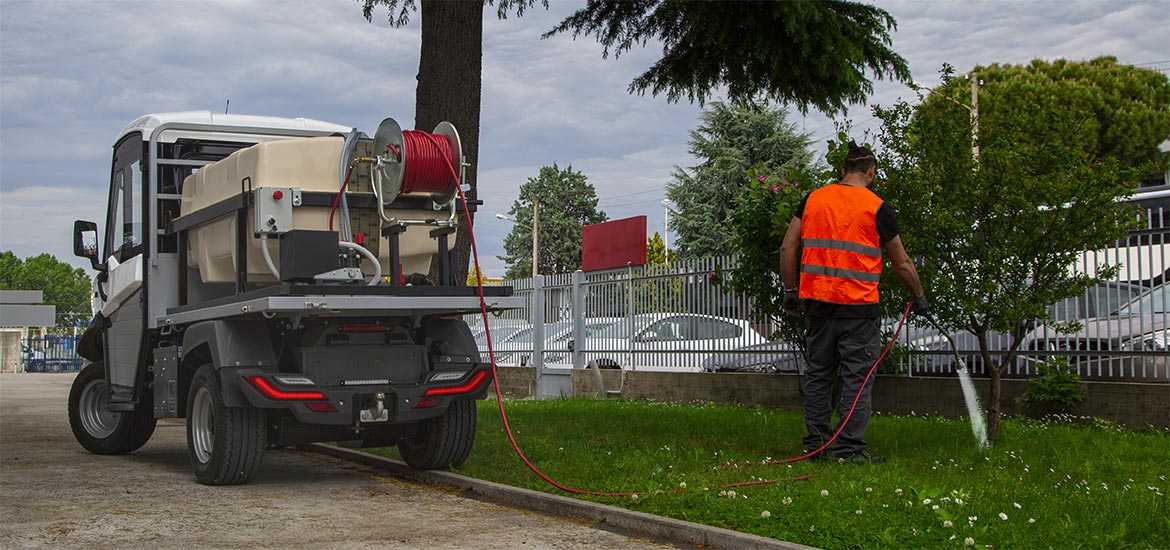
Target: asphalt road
[[54, 494]]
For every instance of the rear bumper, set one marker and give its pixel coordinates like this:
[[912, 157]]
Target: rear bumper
[[343, 405]]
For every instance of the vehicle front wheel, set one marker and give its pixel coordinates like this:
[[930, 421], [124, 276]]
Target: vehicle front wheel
[[95, 427], [443, 441], [225, 444]]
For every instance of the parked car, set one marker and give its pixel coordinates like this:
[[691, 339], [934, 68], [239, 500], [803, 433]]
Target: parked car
[[769, 357], [668, 341], [1099, 300], [1132, 342], [500, 332], [516, 349]]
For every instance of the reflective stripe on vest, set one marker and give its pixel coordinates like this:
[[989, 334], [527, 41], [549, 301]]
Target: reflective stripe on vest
[[841, 257]]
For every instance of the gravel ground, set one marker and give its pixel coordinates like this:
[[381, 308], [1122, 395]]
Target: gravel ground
[[54, 494]]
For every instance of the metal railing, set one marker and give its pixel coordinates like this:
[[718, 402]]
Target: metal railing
[[675, 318], [50, 353]]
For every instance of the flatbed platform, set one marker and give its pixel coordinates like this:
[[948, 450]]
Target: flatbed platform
[[338, 300]]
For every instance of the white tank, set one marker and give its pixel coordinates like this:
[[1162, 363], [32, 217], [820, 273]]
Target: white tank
[[311, 164]]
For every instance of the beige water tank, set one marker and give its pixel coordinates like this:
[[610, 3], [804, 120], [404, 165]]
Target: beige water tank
[[311, 164]]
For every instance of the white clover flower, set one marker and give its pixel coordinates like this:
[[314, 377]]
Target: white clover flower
[[812, 528], [634, 496], [824, 492], [869, 489], [787, 501], [898, 492], [926, 501], [969, 541], [959, 501], [1003, 516], [952, 537], [935, 507], [948, 524], [682, 485], [765, 514], [1031, 520], [858, 512], [730, 494], [1017, 505], [560, 449]]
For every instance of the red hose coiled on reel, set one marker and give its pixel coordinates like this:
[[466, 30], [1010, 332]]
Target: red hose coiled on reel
[[430, 161]]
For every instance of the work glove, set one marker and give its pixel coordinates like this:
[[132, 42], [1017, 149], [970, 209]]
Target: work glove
[[920, 306], [792, 302]]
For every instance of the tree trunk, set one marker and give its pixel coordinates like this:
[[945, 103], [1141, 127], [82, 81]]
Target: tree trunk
[[993, 403], [449, 71]]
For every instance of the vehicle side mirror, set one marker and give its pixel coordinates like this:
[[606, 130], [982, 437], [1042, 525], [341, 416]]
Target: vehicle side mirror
[[85, 242]]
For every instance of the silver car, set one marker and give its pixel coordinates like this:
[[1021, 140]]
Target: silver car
[[1129, 344]]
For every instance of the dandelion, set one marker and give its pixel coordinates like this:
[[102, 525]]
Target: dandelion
[[1003, 516], [1017, 505], [948, 524], [765, 514], [787, 501], [824, 492], [969, 541]]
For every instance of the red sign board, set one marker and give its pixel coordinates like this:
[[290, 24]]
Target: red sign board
[[613, 244]]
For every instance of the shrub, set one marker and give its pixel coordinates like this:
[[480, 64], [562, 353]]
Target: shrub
[[1054, 389]]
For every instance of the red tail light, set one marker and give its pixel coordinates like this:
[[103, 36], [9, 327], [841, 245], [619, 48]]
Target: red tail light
[[321, 407], [469, 386], [428, 403], [267, 390]]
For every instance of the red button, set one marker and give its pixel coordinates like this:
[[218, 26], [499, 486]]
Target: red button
[[278, 194]]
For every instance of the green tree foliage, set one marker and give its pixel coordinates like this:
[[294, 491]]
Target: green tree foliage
[[657, 291], [449, 73], [568, 202], [1122, 110], [995, 238], [807, 52], [656, 252], [62, 285], [732, 138]]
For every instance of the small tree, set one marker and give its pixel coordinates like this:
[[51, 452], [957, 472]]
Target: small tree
[[568, 202], [62, 285], [731, 140], [995, 237]]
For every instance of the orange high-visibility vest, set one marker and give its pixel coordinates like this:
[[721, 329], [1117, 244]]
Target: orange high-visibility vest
[[841, 261]]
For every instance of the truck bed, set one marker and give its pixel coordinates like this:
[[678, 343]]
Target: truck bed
[[335, 300]]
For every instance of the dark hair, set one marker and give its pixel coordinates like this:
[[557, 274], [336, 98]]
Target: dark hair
[[858, 159]]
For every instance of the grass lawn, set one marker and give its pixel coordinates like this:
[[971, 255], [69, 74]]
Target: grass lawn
[[1044, 485]]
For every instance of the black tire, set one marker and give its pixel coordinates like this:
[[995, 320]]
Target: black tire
[[443, 441], [225, 444], [97, 429]]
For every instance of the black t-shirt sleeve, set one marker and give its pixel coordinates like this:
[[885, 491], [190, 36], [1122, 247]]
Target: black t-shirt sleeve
[[800, 209], [887, 224]]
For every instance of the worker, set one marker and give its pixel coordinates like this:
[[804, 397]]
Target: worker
[[837, 237]]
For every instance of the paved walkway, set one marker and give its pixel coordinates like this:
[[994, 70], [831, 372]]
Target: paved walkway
[[54, 494]]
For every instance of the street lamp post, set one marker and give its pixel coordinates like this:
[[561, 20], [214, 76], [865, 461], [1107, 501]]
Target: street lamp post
[[666, 228], [532, 228]]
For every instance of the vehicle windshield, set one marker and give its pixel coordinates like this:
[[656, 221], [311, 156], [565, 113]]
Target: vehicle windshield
[[1152, 302], [621, 329]]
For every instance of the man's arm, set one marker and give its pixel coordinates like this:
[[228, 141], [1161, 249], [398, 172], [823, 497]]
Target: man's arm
[[789, 249], [903, 266]]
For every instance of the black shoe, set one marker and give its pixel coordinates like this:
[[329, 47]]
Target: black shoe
[[861, 458], [823, 456]]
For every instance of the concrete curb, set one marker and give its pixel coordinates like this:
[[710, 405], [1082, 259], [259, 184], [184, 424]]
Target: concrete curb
[[656, 526]]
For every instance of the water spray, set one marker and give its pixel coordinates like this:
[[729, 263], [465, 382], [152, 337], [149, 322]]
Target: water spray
[[974, 410]]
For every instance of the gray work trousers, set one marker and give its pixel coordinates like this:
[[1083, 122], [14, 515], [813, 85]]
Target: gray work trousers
[[839, 346]]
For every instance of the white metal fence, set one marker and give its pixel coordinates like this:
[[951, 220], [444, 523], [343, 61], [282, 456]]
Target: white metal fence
[[673, 317]]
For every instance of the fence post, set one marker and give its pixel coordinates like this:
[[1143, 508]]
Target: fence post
[[578, 299], [537, 318]]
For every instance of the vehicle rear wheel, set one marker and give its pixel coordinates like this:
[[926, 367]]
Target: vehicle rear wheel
[[225, 444], [98, 429], [443, 441]]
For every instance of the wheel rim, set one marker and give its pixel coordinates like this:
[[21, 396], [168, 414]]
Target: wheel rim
[[96, 418], [202, 425]]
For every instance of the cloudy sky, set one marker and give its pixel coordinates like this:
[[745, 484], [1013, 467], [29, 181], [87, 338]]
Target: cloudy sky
[[74, 73]]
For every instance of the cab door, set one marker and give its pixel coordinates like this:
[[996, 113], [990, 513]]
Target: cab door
[[124, 307]]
